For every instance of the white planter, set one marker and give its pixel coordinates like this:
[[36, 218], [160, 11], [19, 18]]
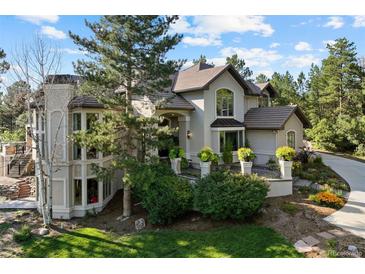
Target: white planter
[[176, 165], [246, 167], [285, 169], [204, 168]]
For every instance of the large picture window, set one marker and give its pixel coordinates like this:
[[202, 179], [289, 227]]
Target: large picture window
[[290, 139], [224, 102], [235, 138]]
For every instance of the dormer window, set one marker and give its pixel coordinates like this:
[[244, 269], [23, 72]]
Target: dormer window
[[224, 103]]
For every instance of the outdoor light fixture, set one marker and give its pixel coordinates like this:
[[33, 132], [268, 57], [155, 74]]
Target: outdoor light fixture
[[189, 134]]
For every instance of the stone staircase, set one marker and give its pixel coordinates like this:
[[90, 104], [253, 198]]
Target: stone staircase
[[17, 167]]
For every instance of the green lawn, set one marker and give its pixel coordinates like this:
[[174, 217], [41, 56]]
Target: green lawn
[[247, 241]]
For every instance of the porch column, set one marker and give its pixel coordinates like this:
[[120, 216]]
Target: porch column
[[184, 127]]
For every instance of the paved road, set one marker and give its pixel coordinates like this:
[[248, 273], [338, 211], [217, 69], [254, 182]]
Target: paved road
[[352, 216]]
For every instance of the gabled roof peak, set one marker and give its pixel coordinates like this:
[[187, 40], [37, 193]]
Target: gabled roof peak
[[200, 66]]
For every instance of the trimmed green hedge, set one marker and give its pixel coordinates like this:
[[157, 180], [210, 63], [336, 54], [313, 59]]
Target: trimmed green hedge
[[224, 195]]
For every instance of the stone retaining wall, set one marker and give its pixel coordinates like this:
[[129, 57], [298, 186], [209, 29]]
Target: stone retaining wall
[[11, 191]]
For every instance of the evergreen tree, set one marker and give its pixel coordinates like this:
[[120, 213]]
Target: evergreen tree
[[4, 66], [128, 61], [261, 78], [13, 105], [314, 85], [240, 66], [202, 59], [301, 83], [287, 88]]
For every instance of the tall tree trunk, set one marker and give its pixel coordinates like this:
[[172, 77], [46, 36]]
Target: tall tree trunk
[[127, 200]]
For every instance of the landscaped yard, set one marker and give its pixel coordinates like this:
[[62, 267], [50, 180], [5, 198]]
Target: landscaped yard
[[247, 241]]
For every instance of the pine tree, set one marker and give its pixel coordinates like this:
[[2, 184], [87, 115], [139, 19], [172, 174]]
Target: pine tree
[[202, 59], [240, 66], [4, 66], [261, 78], [287, 88], [128, 61]]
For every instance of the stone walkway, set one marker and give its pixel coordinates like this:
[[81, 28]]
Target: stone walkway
[[352, 216]]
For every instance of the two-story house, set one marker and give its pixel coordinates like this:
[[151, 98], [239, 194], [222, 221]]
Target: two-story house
[[209, 105]]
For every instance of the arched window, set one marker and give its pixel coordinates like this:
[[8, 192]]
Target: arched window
[[290, 139], [224, 102]]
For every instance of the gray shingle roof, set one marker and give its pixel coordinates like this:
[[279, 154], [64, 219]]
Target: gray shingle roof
[[84, 101], [200, 76], [226, 122], [175, 101], [272, 117]]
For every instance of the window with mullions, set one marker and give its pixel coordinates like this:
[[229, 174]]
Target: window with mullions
[[231, 137], [76, 121], [291, 139], [224, 102]]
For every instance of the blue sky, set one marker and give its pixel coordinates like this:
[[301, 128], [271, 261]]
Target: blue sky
[[267, 43]]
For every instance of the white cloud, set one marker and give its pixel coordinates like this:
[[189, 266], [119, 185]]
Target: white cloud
[[72, 51], [274, 45], [359, 21], [335, 22], [202, 41], [330, 42], [39, 19], [303, 46], [301, 61], [210, 28], [253, 57], [53, 33]]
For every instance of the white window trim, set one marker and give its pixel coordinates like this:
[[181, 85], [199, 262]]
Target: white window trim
[[230, 129]]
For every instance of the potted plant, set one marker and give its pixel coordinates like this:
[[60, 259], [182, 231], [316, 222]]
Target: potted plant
[[175, 155], [285, 155], [227, 155], [206, 156], [245, 155]]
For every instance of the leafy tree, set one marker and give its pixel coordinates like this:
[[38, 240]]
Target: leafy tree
[[128, 61], [240, 66], [261, 78]]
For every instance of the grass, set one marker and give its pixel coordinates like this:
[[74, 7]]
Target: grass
[[4, 227], [248, 241], [289, 208]]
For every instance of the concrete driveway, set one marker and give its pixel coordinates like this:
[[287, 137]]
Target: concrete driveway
[[352, 216]]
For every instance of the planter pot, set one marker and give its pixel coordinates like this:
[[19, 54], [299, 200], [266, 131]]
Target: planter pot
[[246, 167], [204, 169], [176, 165], [285, 169]]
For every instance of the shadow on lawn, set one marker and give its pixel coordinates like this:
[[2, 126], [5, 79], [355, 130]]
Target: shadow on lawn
[[241, 241]]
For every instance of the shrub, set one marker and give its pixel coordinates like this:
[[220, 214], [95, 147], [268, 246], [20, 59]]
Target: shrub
[[23, 234], [206, 154], [285, 153], [176, 152], [227, 155], [329, 199], [304, 155], [223, 195], [245, 154], [297, 167], [184, 163], [360, 150], [318, 160], [163, 194], [272, 164]]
